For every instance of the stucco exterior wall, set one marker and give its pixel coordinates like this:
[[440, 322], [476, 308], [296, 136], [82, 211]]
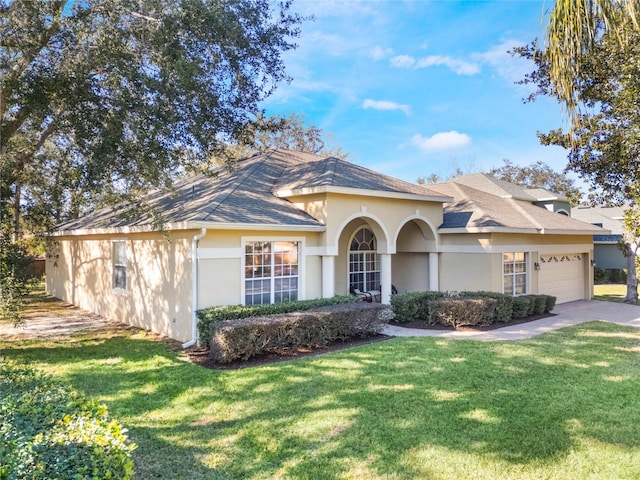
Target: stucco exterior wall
[[158, 293], [410, 272], [470, 271]]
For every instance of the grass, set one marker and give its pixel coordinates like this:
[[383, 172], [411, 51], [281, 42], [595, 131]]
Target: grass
[[564, 405], [610, 292]]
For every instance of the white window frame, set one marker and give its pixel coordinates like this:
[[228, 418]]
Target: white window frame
[[365, 260], [114, 265], [272, 239], [513, 274]]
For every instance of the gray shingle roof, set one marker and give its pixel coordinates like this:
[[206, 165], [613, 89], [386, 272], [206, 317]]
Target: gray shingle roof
[[246, 195], [476, 209], [494, 186], [610, 218]]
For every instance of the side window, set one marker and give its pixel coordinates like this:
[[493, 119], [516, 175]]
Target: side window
[[515, 273], [271, 272], [119, 264]]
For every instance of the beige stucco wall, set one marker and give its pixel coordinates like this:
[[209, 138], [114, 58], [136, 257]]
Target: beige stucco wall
[[474, 261], [410, 272], [158, 293]]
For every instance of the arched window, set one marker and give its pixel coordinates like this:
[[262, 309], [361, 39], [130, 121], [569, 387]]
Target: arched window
[[364, 262]]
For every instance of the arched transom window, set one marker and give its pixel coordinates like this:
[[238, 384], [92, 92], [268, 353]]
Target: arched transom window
[[364, 262]]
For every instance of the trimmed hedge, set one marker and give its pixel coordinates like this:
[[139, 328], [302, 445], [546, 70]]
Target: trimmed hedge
[[50, 432], [458, 312], [247, 337], [521, 307], [412, 306], [207, 316], [504, 304], [539, 304], [551, 303]]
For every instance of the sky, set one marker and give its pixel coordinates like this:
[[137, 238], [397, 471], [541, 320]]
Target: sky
[[413, 88]]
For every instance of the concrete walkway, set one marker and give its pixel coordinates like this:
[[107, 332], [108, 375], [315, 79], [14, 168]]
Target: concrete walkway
[[566, 314]]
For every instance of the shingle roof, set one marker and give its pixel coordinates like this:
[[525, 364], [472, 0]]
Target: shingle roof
[[542, 194], [246, 195], [474, 209], [494, 186], [609, 217]]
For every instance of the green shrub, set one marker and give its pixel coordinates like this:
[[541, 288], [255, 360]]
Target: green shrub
[[538, 304], [49, 432], [532, 304], [248, 337], [521, 306], [550, 303], [412, 306], [504, 304], [458, 312], [207, 316]]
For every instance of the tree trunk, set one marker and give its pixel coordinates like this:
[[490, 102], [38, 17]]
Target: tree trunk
[[17, 231], [632, 279]]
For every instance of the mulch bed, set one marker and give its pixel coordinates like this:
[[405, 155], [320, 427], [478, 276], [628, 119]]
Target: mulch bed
[[421, 324], [200, 356]]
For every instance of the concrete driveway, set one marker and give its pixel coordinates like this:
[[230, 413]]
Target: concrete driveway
[[566, 314]]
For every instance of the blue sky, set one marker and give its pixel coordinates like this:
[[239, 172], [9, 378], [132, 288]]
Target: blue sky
[[410, 88]]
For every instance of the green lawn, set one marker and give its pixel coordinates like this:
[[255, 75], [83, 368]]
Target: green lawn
[[609, 292], [564, 405]]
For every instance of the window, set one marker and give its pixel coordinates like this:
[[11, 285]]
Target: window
[[515, 273], [119, 264], [364, 262], [271, 272]]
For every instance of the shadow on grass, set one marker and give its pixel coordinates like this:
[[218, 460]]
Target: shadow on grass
[[373, 411]]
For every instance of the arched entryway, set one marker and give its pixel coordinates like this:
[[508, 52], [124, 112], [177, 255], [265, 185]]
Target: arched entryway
[[364, 261], [415, 262]]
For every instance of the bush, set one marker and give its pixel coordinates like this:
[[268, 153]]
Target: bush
[[49, 432], [207, 316], [538, 304], [17, 278], [521, 306], [247, 337], [457, 312], [412, 306], [550, 303], [504, 304]]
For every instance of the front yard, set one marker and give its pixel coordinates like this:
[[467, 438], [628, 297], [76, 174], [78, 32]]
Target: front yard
[[563, 405]]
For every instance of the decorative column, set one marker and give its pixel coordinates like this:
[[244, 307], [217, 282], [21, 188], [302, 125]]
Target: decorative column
[[385, 278], [434, 285], [328, 276]]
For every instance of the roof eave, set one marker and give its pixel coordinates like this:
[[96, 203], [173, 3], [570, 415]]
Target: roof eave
[[539, 231], [187, 226], [362, 193]]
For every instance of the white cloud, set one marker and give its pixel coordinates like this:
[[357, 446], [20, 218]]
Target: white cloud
[[460, 67], [510, 67], [378, 53], [385, 105], [441, 141]]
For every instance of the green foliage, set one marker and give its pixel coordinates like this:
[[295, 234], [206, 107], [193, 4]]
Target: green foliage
[[504, 304], [412, 306], [550, 303], [538, 175], [538, 304], [208, 316], [280, 333], [458, 312], [521, 307], [48, 432], [102, 98], [17, 277]]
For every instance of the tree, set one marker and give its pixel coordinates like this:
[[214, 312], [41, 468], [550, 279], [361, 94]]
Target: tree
[[102, 98], [280, 132], [573, 31], [17, 277], [603, 144], [538, 175]]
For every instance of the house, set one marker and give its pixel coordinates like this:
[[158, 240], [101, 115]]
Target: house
[[607, 253], [285, 225]]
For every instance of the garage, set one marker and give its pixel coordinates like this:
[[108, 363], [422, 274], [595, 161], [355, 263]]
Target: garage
[[562, 275]]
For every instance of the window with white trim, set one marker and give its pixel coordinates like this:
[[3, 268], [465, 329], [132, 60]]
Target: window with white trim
[[364, 262], [119, 264], [270, 272], [514, 273]]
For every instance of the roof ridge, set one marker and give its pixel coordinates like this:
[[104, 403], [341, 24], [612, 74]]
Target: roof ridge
[[525, 213], [238, 183]]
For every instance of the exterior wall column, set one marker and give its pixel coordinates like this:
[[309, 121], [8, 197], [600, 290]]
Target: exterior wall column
[[328, 276], [434, 271], [385, 278]]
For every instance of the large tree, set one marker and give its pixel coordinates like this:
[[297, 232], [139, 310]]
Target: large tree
[[100, 98], [604, 139]]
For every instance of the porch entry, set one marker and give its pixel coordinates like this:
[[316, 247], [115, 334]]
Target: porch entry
[[364, 262]]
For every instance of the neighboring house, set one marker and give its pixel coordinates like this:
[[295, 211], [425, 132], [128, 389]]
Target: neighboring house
[[607, 254], [286, 225]]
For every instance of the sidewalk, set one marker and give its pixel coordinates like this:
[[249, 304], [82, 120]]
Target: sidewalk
[[566, 314]]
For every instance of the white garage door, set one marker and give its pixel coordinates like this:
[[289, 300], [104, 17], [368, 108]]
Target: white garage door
[[562, 276]]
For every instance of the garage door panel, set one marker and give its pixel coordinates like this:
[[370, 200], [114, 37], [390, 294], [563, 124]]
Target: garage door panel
[[562, 276]]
